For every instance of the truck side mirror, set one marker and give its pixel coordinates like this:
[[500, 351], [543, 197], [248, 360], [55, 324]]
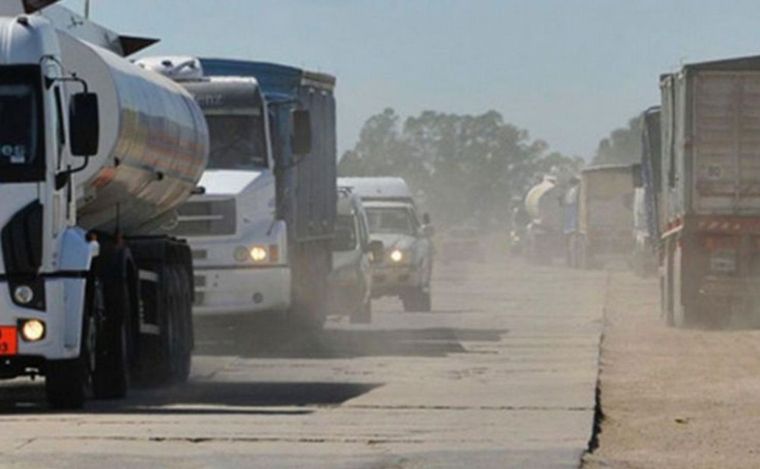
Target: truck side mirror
[[300, 141], [84, 124], [426, 219], [636, 174], [377, 249]]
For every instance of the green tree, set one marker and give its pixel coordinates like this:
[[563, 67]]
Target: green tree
[[464, 168], [623, 146]]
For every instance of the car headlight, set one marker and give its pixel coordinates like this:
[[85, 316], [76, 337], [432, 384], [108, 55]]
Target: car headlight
[[397, 256]]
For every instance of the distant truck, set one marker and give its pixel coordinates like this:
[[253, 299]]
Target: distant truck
[[604, 216], [407, 266], [261, 225], [646, 201], [710, 192], [544, 237]]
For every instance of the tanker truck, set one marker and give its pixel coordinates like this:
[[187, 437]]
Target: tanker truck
[[543, 203], [94, 154], [262, 223]]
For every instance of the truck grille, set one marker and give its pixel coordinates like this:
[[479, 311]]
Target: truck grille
[[206, 218]]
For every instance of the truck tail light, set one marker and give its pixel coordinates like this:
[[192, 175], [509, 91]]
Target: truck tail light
[[714, 243]]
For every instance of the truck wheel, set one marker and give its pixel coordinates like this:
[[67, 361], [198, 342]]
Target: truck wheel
[[184, 327], [364, 314], [68, 382], [175, 347], [111, 376]]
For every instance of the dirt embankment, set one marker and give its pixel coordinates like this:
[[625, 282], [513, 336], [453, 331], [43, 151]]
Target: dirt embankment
[[674, 398]]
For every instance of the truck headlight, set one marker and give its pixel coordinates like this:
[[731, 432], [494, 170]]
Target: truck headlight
[[397, 255], [33, 330], [259, 253], [23, 294]]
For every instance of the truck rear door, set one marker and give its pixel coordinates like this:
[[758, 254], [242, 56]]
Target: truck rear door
[[726, 142]]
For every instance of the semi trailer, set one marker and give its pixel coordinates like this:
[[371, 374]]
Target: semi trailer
[[646, 202], [604, 227], [94, 153], [262, 222], [710, 193]]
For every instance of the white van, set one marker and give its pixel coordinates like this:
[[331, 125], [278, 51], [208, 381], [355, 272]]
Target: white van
[[354, 257], [406, 268]]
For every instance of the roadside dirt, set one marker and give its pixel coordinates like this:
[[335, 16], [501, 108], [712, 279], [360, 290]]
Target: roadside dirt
[[674, 398]]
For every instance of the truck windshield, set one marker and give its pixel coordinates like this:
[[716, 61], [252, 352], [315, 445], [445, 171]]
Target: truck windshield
[[390, 220], [18, 125], [237, 141]]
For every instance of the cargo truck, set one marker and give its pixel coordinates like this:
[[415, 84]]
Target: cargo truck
[[605, 216], [646, 211], [544, 232], [710, 191], [262, 223], [94, 152]]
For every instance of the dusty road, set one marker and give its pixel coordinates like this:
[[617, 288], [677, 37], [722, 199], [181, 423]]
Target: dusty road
[[674, 398], [501, 374]]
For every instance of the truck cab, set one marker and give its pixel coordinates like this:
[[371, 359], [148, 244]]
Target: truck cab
[[406, 268], [261, 223], [239, 247]]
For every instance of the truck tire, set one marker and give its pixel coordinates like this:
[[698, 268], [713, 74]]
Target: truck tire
[[364, 314], [417, 301], [175, 349], [184, 326], [69, 382], [111, 376]]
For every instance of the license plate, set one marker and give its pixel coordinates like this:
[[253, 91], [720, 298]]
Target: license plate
[[8, 341]]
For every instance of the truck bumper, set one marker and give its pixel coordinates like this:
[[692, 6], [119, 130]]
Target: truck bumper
[[62, 318], [395, 281], [226, 291]]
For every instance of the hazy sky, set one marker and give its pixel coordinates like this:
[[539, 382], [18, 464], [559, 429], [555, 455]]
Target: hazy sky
[[567, 70]]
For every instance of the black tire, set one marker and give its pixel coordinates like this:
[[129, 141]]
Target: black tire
[[364, 314], [111, 377], [175, 354], [68, 383], [183, 354], [417, 301]]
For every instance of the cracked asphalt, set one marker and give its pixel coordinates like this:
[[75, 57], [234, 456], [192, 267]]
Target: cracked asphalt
[[501, 374]]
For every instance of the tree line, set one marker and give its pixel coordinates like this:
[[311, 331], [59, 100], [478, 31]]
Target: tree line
[[464, 169]]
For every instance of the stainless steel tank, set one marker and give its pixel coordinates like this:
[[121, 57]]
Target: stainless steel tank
[[153, 143], [543, 203]]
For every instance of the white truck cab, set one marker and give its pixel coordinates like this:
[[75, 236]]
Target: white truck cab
[[406, 268], [240, 249]]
